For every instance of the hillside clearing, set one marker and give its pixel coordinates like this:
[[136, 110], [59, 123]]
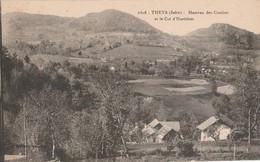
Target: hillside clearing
[[170, 81], [42, 60], [227, 89], [139, 53], [187, 89]]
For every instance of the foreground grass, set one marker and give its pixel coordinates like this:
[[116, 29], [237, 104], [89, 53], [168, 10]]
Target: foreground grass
[[162, 158], [204, 151], [204, 156]]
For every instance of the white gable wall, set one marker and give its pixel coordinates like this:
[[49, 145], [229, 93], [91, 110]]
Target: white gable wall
[[222, 130]]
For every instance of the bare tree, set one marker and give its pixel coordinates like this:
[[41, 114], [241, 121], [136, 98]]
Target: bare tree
[[247, 100], [117, 101], [46, 117]]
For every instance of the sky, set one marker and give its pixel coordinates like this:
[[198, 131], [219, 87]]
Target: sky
[[244, 14]]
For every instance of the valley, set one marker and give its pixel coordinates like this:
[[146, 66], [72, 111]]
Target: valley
[[96, 81], [97, 39]]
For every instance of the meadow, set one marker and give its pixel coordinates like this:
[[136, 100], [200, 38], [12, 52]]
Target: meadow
[[152, 152], [204, 151], [42, 60]]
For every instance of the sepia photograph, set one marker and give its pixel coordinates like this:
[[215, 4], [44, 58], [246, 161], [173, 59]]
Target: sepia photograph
[[129, 80]]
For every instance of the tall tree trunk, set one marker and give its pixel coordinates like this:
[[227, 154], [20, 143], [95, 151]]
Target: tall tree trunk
[[249, 132], [53, 147], [24, 128], [125, 147], [96, 155], [234, 153]]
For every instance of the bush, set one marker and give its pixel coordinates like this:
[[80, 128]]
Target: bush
[[185, 148], [156, 152], [170, 147], [61, 153]]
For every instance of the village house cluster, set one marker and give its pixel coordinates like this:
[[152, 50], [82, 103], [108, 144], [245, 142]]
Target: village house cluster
[[164, 131]]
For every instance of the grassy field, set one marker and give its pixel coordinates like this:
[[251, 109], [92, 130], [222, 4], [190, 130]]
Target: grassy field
[[42, 60], [170, 87], [14, 157], [227, 89], [142, 52], [152, 152], [178, 94], [206, 151]]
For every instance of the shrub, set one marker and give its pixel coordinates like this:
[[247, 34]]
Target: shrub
[[185, 148], [61, 153], [157, 152], [170, 147]]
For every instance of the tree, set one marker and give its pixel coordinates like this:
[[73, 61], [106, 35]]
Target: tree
[[27, 59], [188, 62], [188, 123], [80, 53], [104, 68], [75, 71], [222, 105], [172, 63], [247, 100], [145, 111], [93, 68], [116, 102], [187, 131], [213, 86], [47, 116], [82, 97], [86, 135], [66, 64], [185, 148]]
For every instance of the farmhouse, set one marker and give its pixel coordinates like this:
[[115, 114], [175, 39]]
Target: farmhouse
[[161, 131], [216, 127]]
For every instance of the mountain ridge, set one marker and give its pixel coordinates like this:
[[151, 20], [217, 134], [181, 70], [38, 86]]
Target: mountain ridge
[[110, 19], [104, 21], [216, 26], [226, 34], [104, 31]]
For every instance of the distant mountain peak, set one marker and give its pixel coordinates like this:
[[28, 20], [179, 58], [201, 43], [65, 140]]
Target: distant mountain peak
[[217, 29], [220, 24], [226, 33], [111, 10], [223, 26], [112, 20]]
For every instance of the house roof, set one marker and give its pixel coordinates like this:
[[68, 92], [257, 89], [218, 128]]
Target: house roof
[[207, 123], [175, 125], [148, 131], [227, 121], [166, 127], [164, 130], [154, 123], [213, 120]]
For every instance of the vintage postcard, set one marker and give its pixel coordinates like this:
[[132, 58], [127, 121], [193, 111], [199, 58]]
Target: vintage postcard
[[130, 80]]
